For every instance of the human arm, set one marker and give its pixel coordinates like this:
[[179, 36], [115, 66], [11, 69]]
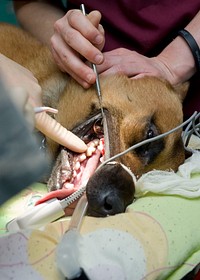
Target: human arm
[[76, 37], [38, 17], [175, 63], [26, 93]]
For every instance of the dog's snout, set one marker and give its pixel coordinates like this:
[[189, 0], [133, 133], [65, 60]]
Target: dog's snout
[[110, 190], [112, 204], [109, 203]]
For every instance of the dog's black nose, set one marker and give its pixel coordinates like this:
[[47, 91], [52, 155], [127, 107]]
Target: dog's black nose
[[110, 190]]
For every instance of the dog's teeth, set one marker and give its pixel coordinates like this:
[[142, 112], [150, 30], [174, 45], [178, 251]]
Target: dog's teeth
[[96, 142], [68, 186], [74, 174], [90, 151], [77, 166], [82, 157], [100, 148], [93, 143], [101, 159], [64, 171], [90, 144]]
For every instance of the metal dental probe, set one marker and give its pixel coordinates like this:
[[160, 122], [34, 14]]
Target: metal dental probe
[[98, 89]]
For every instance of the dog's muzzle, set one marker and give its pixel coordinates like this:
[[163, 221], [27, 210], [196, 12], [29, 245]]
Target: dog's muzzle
[[110, 190], [110, 187]]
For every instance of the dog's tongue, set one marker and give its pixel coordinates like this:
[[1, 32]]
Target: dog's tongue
[[87, 171]]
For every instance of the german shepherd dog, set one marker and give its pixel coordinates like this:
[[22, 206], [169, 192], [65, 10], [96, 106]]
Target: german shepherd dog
[[135, 110]]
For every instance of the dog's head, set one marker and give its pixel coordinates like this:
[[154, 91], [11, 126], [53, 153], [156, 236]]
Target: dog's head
[[135, 110]]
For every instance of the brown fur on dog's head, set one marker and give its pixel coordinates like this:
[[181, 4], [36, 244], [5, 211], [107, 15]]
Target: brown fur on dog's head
[[136, 110]]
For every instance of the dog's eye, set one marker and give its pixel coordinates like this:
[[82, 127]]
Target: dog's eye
[[150, 150], [150, 133]]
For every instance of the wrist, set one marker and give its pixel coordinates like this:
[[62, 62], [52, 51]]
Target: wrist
[[178, 61], [192, 44]]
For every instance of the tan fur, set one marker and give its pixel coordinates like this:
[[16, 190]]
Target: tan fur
[[131, 104]]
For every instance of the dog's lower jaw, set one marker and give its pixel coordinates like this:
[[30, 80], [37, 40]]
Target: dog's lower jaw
[[110, 190]]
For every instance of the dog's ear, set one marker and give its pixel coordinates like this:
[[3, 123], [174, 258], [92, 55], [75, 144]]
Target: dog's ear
[[181, 90]]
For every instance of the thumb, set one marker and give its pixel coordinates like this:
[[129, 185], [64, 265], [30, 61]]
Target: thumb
[[51, 128]]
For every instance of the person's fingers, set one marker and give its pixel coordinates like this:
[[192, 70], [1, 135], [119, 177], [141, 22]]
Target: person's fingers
[[70, 62], [79, 34], [52, 129], [88, 28]]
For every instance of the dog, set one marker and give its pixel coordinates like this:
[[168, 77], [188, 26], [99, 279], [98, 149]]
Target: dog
[[135, 110]]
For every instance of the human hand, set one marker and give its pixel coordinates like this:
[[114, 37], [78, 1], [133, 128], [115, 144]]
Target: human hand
[[78, 38], [16, 76], [26, 94], [135, 65]]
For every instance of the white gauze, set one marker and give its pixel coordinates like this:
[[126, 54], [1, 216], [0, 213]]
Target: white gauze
[[186, 182]]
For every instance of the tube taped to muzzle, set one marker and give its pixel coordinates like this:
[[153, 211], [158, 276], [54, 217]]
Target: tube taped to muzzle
[[186, 182]]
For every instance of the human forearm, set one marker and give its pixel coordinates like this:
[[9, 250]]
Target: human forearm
[[38, 17], [177, 56]]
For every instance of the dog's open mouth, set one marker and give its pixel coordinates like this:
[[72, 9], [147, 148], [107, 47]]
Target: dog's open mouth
[[72, 171]]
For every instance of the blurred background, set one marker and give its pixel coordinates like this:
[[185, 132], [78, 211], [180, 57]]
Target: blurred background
[[6, 12]]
